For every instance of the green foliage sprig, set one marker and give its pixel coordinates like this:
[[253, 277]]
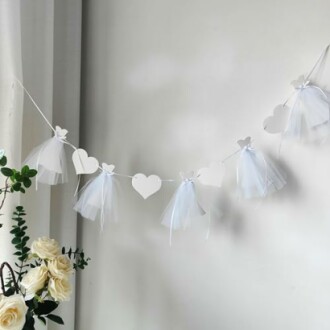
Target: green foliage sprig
[[15, 180], [80, 261], [20, 240]]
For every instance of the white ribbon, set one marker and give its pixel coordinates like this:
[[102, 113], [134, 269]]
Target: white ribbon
[[182, 207], [320, 58]]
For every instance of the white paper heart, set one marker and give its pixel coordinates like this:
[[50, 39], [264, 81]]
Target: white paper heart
[[108, 168], [212, 175], [84, 164], [61, 132], [146, 186], [277, 122], [245, 142], [299, 81]]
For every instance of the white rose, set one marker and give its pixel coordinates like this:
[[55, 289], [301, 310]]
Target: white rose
[[12, 312], [35, 279], [45, 248], [60, 267], [59, 289]]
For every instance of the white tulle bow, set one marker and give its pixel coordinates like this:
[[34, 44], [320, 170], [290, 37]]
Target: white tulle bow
[[49, 159], [99, 198], [257, 176], [309, 111], [182, 208]]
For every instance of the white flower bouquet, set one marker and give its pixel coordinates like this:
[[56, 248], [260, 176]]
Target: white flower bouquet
[[40, 280]]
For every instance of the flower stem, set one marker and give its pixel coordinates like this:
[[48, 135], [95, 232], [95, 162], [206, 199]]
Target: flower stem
[[4, 194], [3, 288]]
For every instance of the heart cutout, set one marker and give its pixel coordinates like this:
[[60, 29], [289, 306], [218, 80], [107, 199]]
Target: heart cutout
[[277, 122], [84, 164], [108, 168], [61, 132], [245, 142], [146, 186], [212, 175], [298, 82]]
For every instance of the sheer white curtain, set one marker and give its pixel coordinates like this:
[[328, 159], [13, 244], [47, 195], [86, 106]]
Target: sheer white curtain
[[10, 112], [40, 44]]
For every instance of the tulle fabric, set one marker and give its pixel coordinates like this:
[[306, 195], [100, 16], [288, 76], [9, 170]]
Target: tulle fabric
[[309, 114], [50, 161], [99, 198], [256, 175], [182, 208]]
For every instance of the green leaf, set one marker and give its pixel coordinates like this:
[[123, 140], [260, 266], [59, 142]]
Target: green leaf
[[55, 318], [19, 246], [32, 173], [25, 250], [16, 240], [29, 323], [3, 161], [20, 234], [46, 307], [15, 230], [18, 176], [31, 303], [27, 182], [17, 186], [25, 170], [19, 208], [42, 319], [25, 239], [22, 190], [6, 171], [10, 291]]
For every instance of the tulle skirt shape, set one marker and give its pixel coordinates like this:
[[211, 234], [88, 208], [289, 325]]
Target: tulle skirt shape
[[182, 208], [99, 198], [50, 162], [257, 176], [309, 114]]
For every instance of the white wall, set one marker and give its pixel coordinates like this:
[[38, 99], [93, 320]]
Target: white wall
[[169, 86]]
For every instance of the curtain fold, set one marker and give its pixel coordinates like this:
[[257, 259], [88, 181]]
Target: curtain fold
[[40, 44], [11, 106]]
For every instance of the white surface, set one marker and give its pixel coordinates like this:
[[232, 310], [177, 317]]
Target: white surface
[[170, 86]]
